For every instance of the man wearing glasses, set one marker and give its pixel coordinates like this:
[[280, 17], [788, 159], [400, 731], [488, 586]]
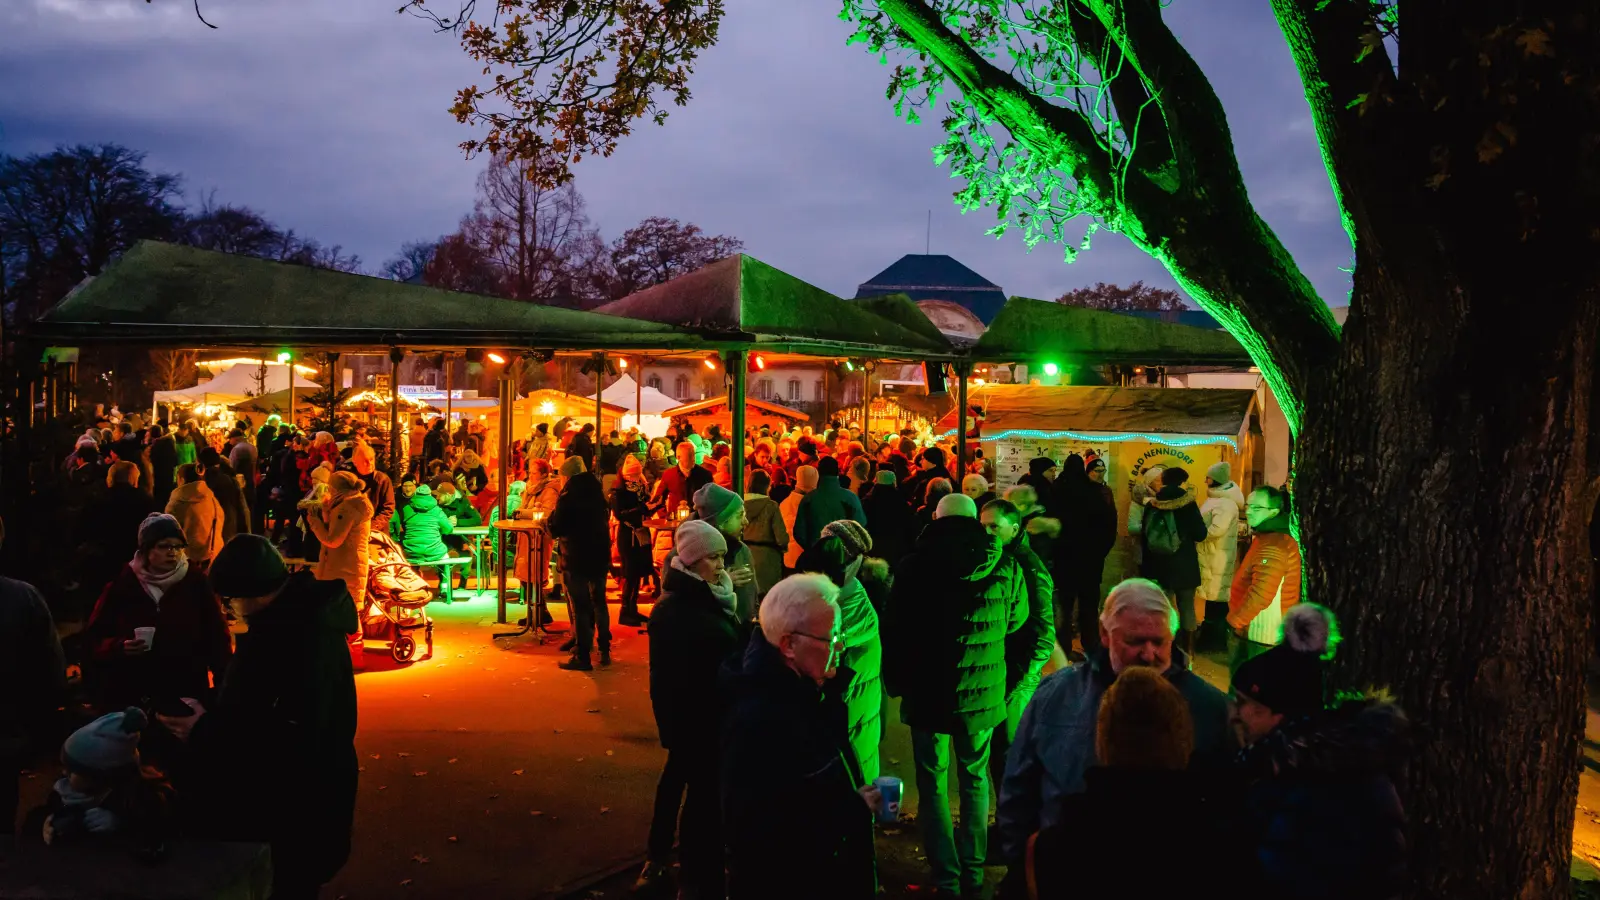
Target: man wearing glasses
[[797, 813], [1267, 583]]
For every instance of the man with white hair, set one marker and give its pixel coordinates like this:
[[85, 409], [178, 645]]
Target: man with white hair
[[1055, 741], [797, 815], [955, 599]]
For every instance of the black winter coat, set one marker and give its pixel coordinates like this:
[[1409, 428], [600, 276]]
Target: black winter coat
[[1322, 814], [954, 601], [1181, 570], [691, 635], [582, 520], [109, 531], [278, 750], [1088, 516], [890, 520], [1029, 647], [795, 824]]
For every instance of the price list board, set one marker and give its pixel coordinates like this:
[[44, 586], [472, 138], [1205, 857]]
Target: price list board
[[1012, 456]]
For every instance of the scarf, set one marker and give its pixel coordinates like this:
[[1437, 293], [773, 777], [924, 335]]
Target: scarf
[[722, 590], [158, 583]]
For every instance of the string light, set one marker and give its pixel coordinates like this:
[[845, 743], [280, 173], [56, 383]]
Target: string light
[[1164, 440], [1051, 369], [496, 358]]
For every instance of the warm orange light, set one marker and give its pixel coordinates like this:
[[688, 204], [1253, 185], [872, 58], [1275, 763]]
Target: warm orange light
[[496, 358], [761, 363], [622, 364], [711, 362]]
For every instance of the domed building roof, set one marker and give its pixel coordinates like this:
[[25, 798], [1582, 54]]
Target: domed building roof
[[952, 318], [937, 277]]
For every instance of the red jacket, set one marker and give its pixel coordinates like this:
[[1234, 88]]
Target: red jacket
[[191, 646]]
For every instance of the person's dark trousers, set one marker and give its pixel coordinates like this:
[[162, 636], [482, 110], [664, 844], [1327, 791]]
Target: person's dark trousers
[[586, 598], [630, 591], [669, 798], [956, 853], [258, 509], [1078, 584], [700, 855]]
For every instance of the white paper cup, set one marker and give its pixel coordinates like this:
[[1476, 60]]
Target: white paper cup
[[146, 633]]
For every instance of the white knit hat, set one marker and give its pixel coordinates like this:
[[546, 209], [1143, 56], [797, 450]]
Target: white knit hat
[[1221, 473], [697, 539]]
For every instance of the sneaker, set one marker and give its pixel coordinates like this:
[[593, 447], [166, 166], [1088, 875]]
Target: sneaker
[[631, 619], [605, 657], [652, 877], [576, 664]]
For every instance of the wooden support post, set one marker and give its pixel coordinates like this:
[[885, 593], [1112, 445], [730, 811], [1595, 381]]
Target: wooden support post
[[508, 396], [395, 355], [963, 369], [736, 363]]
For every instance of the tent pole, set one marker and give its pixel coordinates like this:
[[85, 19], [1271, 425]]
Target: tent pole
[[962, 370], [291, 388], [736, 386], [599, 407], [395, 355], [507, 411], [827, 400], [449, 371], [638, 396]]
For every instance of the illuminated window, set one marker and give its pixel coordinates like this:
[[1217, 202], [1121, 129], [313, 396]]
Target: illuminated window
[[794, 389], [680, 387], [654, 381]]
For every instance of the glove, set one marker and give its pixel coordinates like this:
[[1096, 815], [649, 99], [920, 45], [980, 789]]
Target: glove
[[100, 821]]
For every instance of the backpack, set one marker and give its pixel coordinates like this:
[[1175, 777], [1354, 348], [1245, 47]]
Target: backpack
[[1161, 532]]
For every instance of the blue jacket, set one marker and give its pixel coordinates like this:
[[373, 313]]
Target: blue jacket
[[830, 502], [1054, 745]]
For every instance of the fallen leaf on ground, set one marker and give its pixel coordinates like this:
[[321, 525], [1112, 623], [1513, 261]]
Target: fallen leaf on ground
[[558, 731], [382, 786], [419, 858], [453, 839], [418, 774], [377, 756], [604, 810], [580, 759], [452, 759], [593, 709], [516, 771], [405, 882], [402, 754], [611, 753], [535, 812], [494, 796]]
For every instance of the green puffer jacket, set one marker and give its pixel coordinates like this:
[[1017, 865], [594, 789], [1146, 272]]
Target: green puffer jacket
[[863, 655], [424, 525], [954, 601]]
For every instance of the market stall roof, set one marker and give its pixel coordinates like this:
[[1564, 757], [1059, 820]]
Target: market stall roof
[[580, 402], [710, 403], [1067, 411], [1072, 335], [159, 293], [741, 299], [625, 390], [235, 385], [276, 402]]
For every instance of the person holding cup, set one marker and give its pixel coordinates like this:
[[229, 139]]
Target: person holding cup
[[724, 511], [797, 815], [157, 632]]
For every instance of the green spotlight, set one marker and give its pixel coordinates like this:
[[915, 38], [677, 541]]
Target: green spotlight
[[1052, 369]]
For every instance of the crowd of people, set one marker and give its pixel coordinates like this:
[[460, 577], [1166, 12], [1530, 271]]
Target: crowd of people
[[845, 570]]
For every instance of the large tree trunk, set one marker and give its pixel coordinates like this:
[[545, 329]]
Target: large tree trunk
[[1444, 477]]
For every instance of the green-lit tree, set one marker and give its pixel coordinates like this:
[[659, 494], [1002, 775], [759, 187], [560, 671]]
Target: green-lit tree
[[1443, 454]]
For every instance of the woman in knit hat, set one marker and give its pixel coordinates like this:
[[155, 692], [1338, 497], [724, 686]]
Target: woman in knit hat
[[199, 513], [157, 631], [725, 510], [1143, 740], [1322, 815], [692, 630], [841, 554]]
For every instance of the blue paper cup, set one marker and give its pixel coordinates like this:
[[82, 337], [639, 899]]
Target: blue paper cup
[[889, 787]]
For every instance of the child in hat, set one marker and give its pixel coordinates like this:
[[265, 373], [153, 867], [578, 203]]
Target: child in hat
[[106, 792]]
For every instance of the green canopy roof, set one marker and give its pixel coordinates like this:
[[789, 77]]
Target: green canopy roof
[[159, 293], [1072, 335], [746, 300]]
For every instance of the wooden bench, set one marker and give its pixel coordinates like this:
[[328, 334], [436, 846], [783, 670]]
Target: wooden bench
[[446, 567]]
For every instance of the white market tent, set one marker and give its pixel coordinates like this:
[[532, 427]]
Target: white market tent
[[625, 392], [650, 403], [236, 384]]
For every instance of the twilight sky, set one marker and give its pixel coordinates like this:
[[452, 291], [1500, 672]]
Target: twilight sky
[[329, 117]]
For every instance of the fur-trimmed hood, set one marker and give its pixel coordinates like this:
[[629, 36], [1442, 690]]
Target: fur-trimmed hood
[[1166, 499], [1360, 737]]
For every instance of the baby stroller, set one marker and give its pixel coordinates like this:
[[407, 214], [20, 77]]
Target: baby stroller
[[397, 597]]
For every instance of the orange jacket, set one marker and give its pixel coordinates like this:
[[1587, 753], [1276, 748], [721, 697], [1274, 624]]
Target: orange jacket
[[1273, 564]]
